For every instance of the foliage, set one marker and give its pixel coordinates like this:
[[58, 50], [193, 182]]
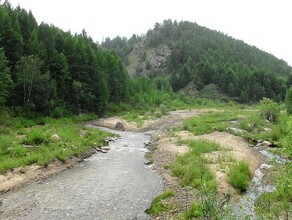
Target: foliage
[[202, 57], [192, 170], [209, 122], [288, 101], [36, 88], [157, 206], [6, 82], [287, 141], [239, 175], [35, 137], [25, 142], [210, 205], [269, 109], [277, 205], [55, 73]]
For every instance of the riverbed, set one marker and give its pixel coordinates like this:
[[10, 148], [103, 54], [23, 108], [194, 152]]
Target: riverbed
[[113, 185]]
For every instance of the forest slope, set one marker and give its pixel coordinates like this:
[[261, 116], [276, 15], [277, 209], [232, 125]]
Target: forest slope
[[185, 52]]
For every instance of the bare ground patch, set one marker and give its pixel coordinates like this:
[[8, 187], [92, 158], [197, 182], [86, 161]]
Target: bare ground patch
[[234, 148], [171, 119]]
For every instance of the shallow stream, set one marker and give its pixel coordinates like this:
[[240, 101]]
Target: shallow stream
[[246, 205], [113, 185]]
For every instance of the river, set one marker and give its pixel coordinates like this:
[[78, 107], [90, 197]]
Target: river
[[115, 185]]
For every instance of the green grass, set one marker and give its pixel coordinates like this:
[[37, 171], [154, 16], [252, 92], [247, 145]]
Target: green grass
[[277, 204], [239, 175], [191, 167], [207, 123], [193, 171], [247, 119], [157, 206], [34, 145], [140, 116]]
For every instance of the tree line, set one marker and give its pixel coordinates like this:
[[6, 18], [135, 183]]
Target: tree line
[[48, 71]]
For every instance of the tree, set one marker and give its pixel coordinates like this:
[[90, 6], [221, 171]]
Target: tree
[[288, 101], [10, 36], [6, 82], [36, 87]]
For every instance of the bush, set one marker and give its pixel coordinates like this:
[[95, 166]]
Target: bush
[[269, 109], [239, 175], [287, 141], [288, 101], [36, 137], [5, 117]]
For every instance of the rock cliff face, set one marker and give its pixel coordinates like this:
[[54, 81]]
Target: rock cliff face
[[154, 61], [159, 58]]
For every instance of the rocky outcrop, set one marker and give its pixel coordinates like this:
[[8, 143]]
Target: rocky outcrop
[[138, 48], [155, 61], [158, 59]]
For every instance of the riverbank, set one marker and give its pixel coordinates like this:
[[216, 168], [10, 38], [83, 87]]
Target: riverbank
[[166, 134], [33, 150], [113, 185], [19, 177], [168, 138]]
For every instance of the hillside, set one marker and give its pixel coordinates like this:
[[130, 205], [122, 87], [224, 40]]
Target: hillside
[[184, 53]]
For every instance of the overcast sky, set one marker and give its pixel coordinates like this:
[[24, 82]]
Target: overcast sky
[[263, 23]]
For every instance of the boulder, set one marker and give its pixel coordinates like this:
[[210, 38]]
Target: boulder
[[266, 144], [55, 138], [119, 126]]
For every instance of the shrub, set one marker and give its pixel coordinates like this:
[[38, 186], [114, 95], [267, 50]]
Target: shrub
[[239, 175], [269, 109], [35, 137], [288, 101], [287, 141]]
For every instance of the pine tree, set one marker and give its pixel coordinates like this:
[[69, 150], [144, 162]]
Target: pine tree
[[6, 82]]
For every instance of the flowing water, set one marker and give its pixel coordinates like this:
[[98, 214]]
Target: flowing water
[[245, 207], [115, 185]]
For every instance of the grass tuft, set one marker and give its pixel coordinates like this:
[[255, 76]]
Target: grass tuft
[[239, 175], [157, 205], [191, 167]]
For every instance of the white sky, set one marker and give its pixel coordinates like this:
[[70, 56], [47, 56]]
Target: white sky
[[263, 23]]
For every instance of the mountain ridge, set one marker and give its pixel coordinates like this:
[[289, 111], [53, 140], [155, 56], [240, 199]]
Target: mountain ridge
[[204, 56]]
